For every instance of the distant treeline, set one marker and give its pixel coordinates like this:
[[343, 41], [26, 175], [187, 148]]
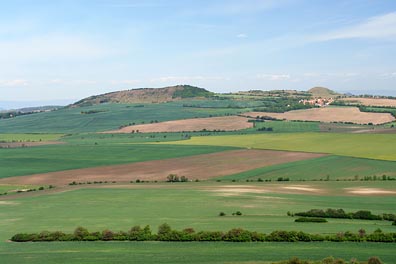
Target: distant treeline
[[340, 213], [166, 233]]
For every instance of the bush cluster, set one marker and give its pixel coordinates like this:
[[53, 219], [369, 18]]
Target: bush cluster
[[340, 213], [166, 233], [330, 260]]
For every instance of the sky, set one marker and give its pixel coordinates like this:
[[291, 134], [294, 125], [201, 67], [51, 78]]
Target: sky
[[66, 50]]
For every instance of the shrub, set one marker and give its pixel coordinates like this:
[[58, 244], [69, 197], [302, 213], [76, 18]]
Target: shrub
[[222, 214], [107, 235], [374, 260], [80, 233]]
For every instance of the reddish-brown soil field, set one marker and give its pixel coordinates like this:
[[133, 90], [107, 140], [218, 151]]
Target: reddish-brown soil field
[[228, 123], [371, 101], [330, 114], [195, 167]]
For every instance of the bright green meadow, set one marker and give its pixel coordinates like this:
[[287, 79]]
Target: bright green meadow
[[323, 168], [185, 205], [371, 146]]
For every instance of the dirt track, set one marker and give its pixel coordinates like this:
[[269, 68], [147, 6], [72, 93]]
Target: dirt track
[[330, 114], [195, 167], [228, 123]]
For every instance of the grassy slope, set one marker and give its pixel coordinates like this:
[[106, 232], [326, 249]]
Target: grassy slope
[[194, 252], [24, 161], [334, 167], [374, 146], [71, 120]]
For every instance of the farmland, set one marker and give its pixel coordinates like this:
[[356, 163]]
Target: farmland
[[193, 252], [28, 137], [106, 117], [371, 146], [370, 101], [215, 164], [65, 157], [197, 124], [330, 114], [264, 208], [324, 168], [264, 169]]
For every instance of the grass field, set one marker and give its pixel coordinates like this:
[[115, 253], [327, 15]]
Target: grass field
[[192, 252], [332, 167], [24, 161], [185, 205], [29, 137], [288, 126], [106, 117], [372, 146], [264, 207]]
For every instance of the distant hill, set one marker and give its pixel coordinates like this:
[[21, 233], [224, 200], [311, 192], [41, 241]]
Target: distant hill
[[322, 92], [146, 95]]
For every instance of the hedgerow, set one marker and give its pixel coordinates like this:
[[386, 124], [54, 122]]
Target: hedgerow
[[166, 233]]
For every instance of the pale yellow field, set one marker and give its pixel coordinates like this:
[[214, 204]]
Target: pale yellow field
[[371, 101], [330, 114]]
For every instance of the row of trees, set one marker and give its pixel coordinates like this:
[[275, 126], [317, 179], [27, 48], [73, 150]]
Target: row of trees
[[166, 233]]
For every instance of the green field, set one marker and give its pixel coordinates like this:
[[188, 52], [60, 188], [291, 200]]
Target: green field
[[372, 146], [107, 117], [324, 168], [185, 205], [28, 137], [24, 161], [190, 252], [288, 126]]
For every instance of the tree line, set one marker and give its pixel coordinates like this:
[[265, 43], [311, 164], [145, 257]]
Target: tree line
[[166, 233]]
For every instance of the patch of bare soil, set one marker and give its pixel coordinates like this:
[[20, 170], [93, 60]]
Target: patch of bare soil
[[195, 167], [228, 123], [28, 144], [330, 114], [235, 190], [369, 191], [371, 101]]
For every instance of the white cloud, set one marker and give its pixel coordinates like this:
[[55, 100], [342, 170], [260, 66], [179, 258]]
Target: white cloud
[[242, 35], [51, 47], [273, 77], [14, 83], [383, 26]]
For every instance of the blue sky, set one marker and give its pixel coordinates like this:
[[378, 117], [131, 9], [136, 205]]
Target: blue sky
[[71, 49]]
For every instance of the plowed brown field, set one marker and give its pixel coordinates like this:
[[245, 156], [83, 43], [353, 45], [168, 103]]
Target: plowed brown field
[[330, 114], [371, 101], [195, 167], [228, 123]]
